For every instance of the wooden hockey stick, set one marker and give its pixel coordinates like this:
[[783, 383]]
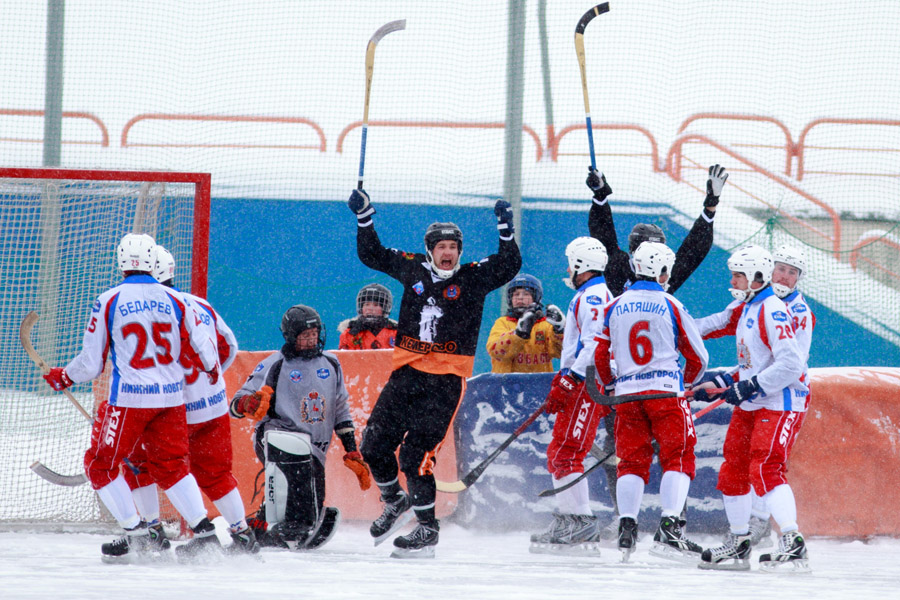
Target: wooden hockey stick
[[590, 384], [454, 487], [595, 466], [53, 477], [370, 67], [25, 337], [579, 51]]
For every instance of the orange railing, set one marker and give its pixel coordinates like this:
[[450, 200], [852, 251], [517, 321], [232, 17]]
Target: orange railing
[[673, 165], [789, 148], [553, 140], [873, 238], [19, 112], [441, 124], [225, 119], [801, 142]]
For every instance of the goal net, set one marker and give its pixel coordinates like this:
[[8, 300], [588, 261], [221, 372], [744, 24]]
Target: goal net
[[58, 234]]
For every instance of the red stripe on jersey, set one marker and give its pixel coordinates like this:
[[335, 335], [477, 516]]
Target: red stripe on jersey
[[601, 360], [763, 332], [693, 365], [730, 327]]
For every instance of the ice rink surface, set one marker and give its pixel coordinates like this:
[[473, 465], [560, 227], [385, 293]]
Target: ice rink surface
[[468, 565]]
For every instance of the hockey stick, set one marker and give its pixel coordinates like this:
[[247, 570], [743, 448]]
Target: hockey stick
[[590, 384], [370, 66], [25, 337], [579, 50], [53, 477], [595, 466], [472, 476]]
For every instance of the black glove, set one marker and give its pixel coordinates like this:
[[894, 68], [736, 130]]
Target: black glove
[[359, 203], [714, 185], [742, 390], [597, 182], [721, 379], [702, 395], [556, 318], [526, 322], [504, 218]]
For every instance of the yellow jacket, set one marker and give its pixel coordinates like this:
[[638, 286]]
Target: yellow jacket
[[511, 354]]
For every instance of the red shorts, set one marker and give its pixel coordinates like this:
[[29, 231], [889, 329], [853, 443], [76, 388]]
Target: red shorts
[[116, 432], [669, 421], [573, 436], [210, 459], [756, 450]]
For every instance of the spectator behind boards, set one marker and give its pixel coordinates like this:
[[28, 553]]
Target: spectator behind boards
[[372, 328]]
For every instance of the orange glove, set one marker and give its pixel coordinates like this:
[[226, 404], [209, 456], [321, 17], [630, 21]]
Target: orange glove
[[255, 405], [354, 462]]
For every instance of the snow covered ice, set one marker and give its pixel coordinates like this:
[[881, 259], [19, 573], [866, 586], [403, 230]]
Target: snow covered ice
[[468, 564]]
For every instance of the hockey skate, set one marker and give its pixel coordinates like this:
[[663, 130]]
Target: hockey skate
[[669, 542], [325, 531], [732, 555], [420, 543], [790, 558], [760, 533], [289, 535], [204, 543], [243, 542], [142, 544], [396, 514], [569, 534], [627, 541]]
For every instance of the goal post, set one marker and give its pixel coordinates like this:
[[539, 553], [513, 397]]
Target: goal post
[[59, 229]]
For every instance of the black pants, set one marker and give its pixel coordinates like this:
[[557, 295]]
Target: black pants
[[413, 412]]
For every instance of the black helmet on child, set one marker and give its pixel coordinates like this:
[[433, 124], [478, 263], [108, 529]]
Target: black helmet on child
[[298, 319], [377, 293], [644, 232]]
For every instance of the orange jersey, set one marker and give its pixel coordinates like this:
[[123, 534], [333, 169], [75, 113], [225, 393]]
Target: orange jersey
[[365, 339], [511, 354]]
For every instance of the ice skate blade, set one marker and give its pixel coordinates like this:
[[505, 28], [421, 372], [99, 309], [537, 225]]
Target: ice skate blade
[[582, 549], [138, 559], [400, 522], [426, 552], [685, 557], [789, 566], [731, 564]]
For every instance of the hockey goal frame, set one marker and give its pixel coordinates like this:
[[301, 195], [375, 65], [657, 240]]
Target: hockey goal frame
[[202, 193]]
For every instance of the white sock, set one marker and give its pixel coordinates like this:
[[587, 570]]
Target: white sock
[[673, 491], [781, 503], [573, 501], [232, 508], [117, 499], [185, 497], [759, 509], [737, 509], [147, 501], [629, 493]]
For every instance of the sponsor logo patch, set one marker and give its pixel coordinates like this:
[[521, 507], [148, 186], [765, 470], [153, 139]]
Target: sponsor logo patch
[[750, 323], [451, 292], [418, 288], [323, 373], [594, 300], [799, 308], [296, 376], [779, 315], [258, 368]]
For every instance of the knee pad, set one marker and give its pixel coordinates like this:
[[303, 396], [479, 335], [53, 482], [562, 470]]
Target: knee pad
[[290, 489]]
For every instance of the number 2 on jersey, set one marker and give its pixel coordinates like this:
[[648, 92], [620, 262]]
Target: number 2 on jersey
[[139, 361], [639, 343]]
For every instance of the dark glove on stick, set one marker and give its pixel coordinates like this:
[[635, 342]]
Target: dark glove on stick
[[714, 185], [597, 182], [741, 391], [359, 204], [525, 324]]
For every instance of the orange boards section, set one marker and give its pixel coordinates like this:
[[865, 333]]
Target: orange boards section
[[845, 465], [365, 374]]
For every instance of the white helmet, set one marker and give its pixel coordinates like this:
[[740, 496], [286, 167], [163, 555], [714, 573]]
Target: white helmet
[[652, 259], [165, 265], [137, 252], [756, 264], [585, 254], [792, 257]]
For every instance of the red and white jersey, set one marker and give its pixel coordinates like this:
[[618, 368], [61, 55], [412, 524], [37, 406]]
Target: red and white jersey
[[583, 321], [766, 348], [646, 329], [141, 324], [205, 401], [804, 322]]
